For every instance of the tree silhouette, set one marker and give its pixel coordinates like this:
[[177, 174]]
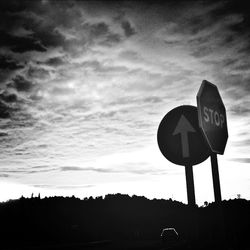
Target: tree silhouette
[[69, 220]]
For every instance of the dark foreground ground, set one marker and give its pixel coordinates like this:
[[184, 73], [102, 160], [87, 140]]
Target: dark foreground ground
[[126, 245], [121, 222]]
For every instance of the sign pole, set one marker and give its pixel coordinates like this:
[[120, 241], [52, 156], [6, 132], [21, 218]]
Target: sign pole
[[181, 141], [213, 123], [216, 178], [190, 185]]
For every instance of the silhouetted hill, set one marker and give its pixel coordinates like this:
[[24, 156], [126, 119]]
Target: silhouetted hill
[[60, 220]]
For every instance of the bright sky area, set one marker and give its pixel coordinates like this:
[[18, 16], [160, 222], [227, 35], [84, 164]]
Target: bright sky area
[[84, 86]]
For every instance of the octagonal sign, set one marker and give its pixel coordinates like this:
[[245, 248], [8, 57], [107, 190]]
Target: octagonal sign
[[212, 117]]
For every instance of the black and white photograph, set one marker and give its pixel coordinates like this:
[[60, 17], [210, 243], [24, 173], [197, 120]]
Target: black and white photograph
[[124, 124]]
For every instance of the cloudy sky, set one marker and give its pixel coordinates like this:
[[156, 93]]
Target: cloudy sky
[[84, 86]]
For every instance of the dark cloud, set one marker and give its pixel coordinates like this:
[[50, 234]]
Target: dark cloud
[[98, 67], [41, 171], [131, 56], [4, 175], [111, 39], [245, 49], [236, 84], [242, 67], [15, 171], [240, 109], [99, 29], [27, 170], [216, 39], [242, 143], [20, 44], [60, 91], [21, 84], [8, 97], [39, 73], [12, 6], [7, 63], [241, 160], [202, 51], [236, 7], [4, 110], [3, 134], [22, 118], [128, 29], [188, 25], [10, 19], [152, 99], [72, 169], [209, 32], [5, 76], [33, 27], [121, 169], [229, 62], [55, 61], [30, 26], [40, 167], [102, 34], [43, 186], [224, 14], [49, 37], [99, 170]]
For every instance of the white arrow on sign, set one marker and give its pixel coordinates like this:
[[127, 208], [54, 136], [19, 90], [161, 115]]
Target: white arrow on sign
[[184, 127]]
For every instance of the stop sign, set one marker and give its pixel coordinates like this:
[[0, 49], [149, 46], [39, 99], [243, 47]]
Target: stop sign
[[212, 116]]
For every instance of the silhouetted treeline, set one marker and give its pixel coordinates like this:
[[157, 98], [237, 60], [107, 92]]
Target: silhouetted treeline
[[60, 220]]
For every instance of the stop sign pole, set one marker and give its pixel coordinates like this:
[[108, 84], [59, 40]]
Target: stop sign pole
[[213, 123], [216, 177]]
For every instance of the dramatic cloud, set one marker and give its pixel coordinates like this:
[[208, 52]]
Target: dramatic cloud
[[128, 29], [21, 84], [84, 84], [8, 63], [4, 110]]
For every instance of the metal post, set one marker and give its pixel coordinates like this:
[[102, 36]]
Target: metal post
[[190, 185], [216, 178]]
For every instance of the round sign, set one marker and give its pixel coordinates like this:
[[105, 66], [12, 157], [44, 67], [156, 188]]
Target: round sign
[[212, 116], [180, 139]]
